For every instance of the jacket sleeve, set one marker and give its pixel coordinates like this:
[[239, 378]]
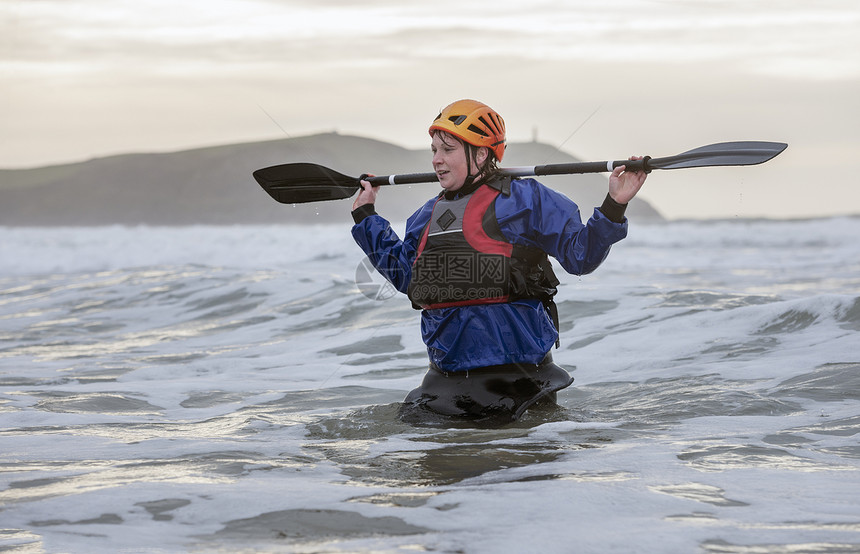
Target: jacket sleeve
[[390, 255], [537, 216]]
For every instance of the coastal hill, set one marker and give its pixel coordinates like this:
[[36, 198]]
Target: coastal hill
[[214, 186]]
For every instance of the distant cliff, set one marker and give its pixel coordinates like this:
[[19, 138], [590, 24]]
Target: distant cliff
[[214, 185]]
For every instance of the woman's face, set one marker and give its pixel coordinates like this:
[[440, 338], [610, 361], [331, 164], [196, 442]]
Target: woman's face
[[449, 161]]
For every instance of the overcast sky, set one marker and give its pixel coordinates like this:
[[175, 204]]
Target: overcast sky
[[90, 78]]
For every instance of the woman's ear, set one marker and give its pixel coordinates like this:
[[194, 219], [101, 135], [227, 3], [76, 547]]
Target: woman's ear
[[481, 156]]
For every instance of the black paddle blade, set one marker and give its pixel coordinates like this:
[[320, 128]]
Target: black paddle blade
[[720, 154], [298, 183]]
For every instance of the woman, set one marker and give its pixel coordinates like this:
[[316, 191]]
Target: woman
[[474, 260]]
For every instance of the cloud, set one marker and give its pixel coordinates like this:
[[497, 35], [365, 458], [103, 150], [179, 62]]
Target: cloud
[[818, 41]]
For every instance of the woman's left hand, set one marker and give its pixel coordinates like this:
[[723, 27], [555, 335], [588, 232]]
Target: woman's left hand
[[623, 185]]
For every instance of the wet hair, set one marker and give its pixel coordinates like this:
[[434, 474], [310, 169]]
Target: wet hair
[[486, 171]]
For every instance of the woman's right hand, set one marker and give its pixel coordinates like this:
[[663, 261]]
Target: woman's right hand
[[367, 194]]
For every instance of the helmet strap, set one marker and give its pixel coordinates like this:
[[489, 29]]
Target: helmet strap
[[470, 157]]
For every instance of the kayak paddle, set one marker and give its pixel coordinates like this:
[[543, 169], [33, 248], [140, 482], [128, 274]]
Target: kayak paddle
[[297, 183]]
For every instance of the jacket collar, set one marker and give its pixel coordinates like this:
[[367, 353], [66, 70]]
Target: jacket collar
[[501, 183]]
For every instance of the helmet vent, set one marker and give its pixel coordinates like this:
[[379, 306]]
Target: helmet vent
[[457, 119], [478, 130], [492, 124]]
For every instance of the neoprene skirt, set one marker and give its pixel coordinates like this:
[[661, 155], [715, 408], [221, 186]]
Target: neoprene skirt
[[501, 392]]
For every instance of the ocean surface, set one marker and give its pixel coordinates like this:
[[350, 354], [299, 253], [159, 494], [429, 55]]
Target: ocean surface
[[236, 389]]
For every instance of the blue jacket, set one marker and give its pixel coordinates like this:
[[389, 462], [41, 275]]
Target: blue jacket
[[468, 337]]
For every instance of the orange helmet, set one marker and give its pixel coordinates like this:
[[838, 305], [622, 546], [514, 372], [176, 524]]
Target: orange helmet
[[475, 123]]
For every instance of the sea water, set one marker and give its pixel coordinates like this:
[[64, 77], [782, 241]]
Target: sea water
[[236, 389]]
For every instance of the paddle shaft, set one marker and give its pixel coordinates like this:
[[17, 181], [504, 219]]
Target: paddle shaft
[[524, 171]]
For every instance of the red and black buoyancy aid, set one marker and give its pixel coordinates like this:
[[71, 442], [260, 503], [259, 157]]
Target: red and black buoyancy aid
[[463, 259]]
